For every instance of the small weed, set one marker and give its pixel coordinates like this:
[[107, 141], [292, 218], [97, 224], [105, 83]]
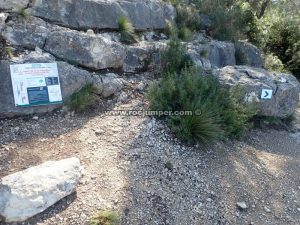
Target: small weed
[[84, 98], [105, 217], [126, 29], [184, 33], [22, 13], [9, 51]]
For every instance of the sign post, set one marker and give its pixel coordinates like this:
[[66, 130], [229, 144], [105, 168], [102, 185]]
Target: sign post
[[35, 84]]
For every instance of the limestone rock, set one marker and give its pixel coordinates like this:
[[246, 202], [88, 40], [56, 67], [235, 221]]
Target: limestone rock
[[248, 54], [211, 54], [108, 85], [29, 192], [148, 14], [285, 88], [30, 33], [92, 51]]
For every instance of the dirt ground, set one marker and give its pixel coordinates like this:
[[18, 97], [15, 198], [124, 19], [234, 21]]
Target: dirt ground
[[134, 166]]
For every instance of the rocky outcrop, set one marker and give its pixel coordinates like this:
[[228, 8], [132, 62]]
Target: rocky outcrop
[[92, 51], [29, 192], [285, 89], [108, 85], [211, 54], [248, 54], [30, 33], [104, 14], [140, 56]]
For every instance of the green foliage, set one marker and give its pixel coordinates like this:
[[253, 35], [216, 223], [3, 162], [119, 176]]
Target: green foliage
[[9, 51], [105, 217], [83, 99], [279, 36], [187, 16], [217, 112], [22, 13], [174, 59], [273, 63], [127, 30], [184, 33]]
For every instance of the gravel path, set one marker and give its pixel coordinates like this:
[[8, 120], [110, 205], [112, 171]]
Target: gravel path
[[134, 166]]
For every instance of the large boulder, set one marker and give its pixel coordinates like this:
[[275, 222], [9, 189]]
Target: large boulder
[[248, 54], [13, 5], [93, 51], [108, 85], [29, 192], [210, 54], [140, 56], [285, 89], [104, 14], [30, 33]]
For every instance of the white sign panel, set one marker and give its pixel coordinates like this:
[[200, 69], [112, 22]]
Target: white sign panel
[[266, 94], [35, 84]]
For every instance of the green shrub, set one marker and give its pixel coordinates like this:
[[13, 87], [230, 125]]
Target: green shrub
[[175, 58], [22, 13], [280, 37], [84, 98], [184, 33], [127, 30], [216, 112], [187, 16], [105, 217], [273, 63]]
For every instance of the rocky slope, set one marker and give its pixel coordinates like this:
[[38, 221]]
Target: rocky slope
[[89, 40]]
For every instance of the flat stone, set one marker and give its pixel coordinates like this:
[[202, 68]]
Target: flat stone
[[242, 205], [29, 192]]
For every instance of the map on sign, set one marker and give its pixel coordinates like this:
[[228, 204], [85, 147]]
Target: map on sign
[[35, 84]]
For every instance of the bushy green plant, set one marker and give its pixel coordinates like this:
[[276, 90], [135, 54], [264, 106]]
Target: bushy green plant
[[187, 16], [175, 58], [216, 112], [127, 30], [273, 63], [84, 98], [105, 217], [280, 37], [22, 13], [184, 33]]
